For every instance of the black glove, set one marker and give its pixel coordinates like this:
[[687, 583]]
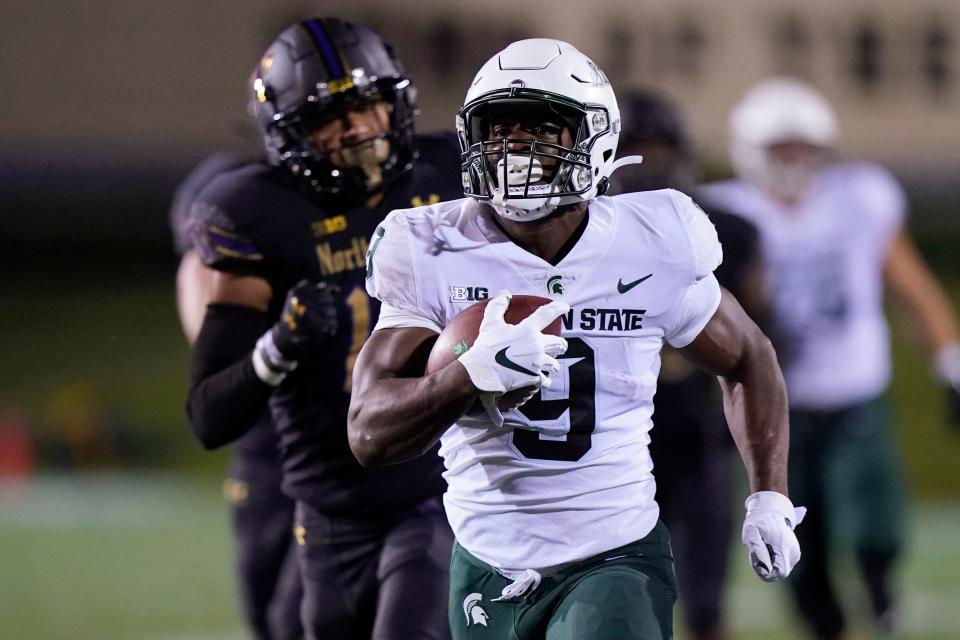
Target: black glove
[[308, 321]]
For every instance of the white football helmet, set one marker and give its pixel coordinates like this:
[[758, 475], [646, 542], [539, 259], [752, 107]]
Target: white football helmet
[[774, 111], [528, 180]]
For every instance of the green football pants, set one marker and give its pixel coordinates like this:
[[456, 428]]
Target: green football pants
[[626, 593]]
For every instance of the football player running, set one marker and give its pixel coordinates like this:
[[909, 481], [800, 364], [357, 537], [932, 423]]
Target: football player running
[[288, 313], [268, 580], [553, 504], [834, 239]]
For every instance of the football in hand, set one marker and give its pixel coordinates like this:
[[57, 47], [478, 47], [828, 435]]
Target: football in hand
[[458, 336]]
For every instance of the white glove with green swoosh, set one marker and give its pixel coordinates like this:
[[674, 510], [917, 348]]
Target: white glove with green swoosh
[[768, 534], [506, 356]]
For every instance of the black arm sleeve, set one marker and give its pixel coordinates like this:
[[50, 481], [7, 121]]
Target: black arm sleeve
[[226, 397]]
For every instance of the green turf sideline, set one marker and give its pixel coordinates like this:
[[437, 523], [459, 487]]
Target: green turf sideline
[[146, 557]]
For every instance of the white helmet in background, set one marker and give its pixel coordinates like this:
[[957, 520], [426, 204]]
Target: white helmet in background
[[779, 110], [528, 179]]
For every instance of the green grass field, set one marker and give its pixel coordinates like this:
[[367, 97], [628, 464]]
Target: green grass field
[[147, 556]]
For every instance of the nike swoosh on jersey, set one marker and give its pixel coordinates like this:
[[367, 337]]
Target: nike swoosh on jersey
[[502, 359], [623, 288]]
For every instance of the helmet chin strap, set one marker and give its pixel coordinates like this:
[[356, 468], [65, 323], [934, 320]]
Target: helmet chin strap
[[520, 214], [623, 162]]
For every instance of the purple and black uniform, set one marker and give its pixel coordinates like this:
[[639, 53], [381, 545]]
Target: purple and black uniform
[[689, 450], [373, 543], [268, 582]]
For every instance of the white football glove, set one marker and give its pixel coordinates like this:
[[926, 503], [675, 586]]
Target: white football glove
[[768, 534], [506, 356]]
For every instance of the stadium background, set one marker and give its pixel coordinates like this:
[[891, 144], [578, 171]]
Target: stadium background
[[111, 524]]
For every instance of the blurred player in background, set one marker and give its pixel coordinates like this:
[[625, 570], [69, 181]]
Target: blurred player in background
[[833, 237], [288, 313], [268, 580], [558, 532], [690, 444]]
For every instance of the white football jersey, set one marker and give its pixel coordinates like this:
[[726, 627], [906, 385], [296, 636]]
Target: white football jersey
[[640, 274], [825, 260]]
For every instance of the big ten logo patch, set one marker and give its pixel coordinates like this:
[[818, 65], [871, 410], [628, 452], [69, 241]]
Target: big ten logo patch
[[328, 226], [460, 293]]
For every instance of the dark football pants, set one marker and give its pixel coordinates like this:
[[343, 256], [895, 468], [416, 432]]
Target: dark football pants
[[623, 594], [268, 580], [379, 580], [694, 494], [845, 469]]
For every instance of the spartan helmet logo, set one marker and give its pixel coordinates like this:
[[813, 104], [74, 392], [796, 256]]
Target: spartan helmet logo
[[474, 613], [554, 285]]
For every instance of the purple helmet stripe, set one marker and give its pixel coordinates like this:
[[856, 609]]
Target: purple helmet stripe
[[327, 51]]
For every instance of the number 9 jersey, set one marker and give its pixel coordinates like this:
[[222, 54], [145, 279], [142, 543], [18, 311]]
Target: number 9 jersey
[[569, 474]]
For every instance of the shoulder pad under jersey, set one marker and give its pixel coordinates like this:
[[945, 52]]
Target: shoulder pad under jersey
[[231, 221], [189, 189]]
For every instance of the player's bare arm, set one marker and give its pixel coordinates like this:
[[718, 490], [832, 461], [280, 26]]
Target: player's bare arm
[[755, 399], [396, 413], [917, 289], [913, 285], [755, 403], [193, 293], [240, 290], [393, 418]]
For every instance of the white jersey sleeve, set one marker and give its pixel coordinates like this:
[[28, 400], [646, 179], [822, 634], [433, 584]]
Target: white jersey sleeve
[[704, 245], [702, 297], [881, 195], [697, 306], [392, 277]]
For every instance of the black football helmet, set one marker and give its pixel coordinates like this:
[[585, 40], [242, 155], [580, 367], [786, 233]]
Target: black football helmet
[[315, 70], [654, 128]]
